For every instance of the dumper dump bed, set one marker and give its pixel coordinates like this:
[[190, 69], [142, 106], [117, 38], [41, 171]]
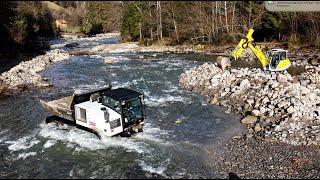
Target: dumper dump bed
[[64, 107], [60, 107]]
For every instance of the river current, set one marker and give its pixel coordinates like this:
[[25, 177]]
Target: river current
[[165, 149]]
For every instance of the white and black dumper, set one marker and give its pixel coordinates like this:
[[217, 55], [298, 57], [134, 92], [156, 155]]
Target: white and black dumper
[[105, 111]]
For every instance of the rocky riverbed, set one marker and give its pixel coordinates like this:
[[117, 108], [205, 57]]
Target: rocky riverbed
[[274, 106]]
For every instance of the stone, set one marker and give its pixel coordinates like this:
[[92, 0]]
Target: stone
[[262, 109], [255, 113], [245, 84], [291, 110], [304, 82], [178, 121], [214, 100], [223, 62], [257, 127], [252, 90], [282, 104], [72, 45], [249, 119], [282, 78], [304, 90], [311, 96], [236, 137], [314, 62], [271, 113], [250, 101], [249, 136], [265, 100], [107, 61]]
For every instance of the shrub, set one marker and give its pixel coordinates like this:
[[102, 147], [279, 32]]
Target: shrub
[[293, 41], [317, 42]]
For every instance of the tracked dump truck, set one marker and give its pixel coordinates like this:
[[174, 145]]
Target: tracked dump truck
[[104, 111]]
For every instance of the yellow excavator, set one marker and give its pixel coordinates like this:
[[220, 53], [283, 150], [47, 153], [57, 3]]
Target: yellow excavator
[[276, 59]]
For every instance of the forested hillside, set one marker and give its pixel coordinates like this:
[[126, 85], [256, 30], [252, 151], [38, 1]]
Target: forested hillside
[[215, 22], [23, 24]]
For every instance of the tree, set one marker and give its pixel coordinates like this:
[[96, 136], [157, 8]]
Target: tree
[[131, 22], [102, 17]]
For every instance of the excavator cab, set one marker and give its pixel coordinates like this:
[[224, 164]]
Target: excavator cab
[[278, 60]]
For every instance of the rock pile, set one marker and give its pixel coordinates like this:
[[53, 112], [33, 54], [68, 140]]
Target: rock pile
[[275, 106], [25, 73]]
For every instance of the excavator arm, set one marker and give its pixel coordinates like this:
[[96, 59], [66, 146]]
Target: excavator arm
[[249, 42]]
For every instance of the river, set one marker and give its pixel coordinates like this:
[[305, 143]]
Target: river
[[32, 149]]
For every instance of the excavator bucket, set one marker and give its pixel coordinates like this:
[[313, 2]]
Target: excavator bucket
[[243, 44], [236, 53]]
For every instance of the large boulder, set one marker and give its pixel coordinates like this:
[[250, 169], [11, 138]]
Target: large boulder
[[72, 45], [255, 113], [223, 62], [282, 78], [245, 84], [249, 120]]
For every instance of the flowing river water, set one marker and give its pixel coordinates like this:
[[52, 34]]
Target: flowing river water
[[32, 149]]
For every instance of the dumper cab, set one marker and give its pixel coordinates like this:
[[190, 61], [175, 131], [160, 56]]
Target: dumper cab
[[128, 104]]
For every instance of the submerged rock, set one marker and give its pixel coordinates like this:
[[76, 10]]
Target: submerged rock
[[72, 45], [108, 61], [178, 121]]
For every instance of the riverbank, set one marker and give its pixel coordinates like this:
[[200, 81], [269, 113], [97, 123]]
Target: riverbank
[[250, 158], [275, 107], [25, 74]]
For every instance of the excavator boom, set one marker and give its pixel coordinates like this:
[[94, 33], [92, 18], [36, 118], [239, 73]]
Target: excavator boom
[[244, 43]]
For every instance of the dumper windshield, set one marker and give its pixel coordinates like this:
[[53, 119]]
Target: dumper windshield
[[132, 109], [111, 103]]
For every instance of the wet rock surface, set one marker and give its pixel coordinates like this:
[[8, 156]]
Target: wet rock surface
[[274, 106]]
